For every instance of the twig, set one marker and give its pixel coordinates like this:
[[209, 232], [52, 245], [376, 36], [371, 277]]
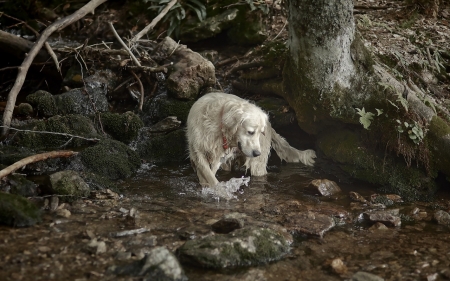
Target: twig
[[53, 55], [284, 25], [162, 68], [53, 133], [35, 158], [23, 69], [141, 89], [123, 44], [154, 22]]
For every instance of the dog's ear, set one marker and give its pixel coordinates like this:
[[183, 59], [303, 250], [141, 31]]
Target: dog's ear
[[232, 113]]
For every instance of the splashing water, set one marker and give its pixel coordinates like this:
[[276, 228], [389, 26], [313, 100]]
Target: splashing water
[[226, 189]]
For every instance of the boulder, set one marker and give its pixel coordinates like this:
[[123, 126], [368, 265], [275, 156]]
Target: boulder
[[69, 183], [17, 211]]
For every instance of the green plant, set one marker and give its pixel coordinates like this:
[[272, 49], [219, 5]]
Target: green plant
[[366, 117], [258, 4], [178, 12], [414, 130]]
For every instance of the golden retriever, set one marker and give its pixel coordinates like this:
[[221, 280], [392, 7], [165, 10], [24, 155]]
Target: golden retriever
[[221, 125]]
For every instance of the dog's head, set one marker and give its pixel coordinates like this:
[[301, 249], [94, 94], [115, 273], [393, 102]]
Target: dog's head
[[246, 122]]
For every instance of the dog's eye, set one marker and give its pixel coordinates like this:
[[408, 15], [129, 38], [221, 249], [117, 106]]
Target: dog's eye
[[251, 133]]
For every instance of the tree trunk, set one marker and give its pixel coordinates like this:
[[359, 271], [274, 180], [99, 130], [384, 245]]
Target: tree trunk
[[332, 82]]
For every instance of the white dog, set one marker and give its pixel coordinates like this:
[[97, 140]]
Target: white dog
[[220, 125]]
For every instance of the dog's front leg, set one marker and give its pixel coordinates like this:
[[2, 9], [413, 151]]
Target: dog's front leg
[[205, 175]]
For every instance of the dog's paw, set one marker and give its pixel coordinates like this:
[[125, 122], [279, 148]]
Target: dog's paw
[[307, 157]]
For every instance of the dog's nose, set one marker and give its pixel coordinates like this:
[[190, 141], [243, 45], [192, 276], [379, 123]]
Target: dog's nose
[[256, 153]]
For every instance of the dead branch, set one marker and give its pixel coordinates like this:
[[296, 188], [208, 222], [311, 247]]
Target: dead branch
[[23, 69], [154, 22], [53, 55], [123, 44], [162, 68], [54, 133], [141, 90], [35, 158]]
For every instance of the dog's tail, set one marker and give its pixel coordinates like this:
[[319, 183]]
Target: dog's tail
[[290, 154]]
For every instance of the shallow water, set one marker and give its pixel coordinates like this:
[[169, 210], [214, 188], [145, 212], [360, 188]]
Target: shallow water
[[171, 206]]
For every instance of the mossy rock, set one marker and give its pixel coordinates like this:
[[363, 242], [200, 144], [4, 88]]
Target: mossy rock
[[44, 103], [346, 149], [70, 184], [70, 124], [248, 29], [111, 158], [123, 127], [17, 211], [19, 185], [162, 106], [242, 247], [24, 109], [171, 147], [281, 115], [83, 101]]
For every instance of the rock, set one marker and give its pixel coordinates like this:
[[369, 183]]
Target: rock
[[63, 213], [389, 217], [129, 232], [162, 106], [96, 247], [168, 124], [43, 102], [378, 226], [357, 197], [19, 185], [326, 187], [242, 247], [158, 265], [122, 127], [17, 211], [442, 217], [209, 27], [229, 223], [365, 276], [111, 158], [191, 72], [69, 183], [24, 109], [338, 266], [159, 148], [249, 29], [309, 223], [74, 77]]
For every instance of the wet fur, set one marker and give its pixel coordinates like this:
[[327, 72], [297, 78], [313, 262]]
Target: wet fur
[[218, 114]]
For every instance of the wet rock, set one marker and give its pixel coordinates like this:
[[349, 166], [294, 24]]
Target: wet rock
[[162, 148], [357, 197], [326, 187], [229, 223], [249, 29], [383, 199], [168, 124], [19, 185], [388, 217], [123, 127], [69, 183], [210, 27], [309, 223], [365, 276], [162, 106], [63, 213], [158, 265], [43, 103], [378, 226], [242, 247], [442, 217], [211, 55], [96, 247], [17, 211], [104, 194], [74, 77], [69, 124], [111, 159], [191, 72], [338, 266]]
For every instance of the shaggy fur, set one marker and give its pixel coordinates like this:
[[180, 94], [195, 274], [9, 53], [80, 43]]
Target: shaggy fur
[[221, 125]]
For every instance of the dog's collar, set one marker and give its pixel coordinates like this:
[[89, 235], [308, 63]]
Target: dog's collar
[[224, 138]]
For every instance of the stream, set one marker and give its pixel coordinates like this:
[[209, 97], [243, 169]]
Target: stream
[[171, 209]]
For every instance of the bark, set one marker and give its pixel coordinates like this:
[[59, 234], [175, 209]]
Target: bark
[[19, 47]]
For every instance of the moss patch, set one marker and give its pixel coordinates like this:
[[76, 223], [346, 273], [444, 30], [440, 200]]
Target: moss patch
[[161, 107], [44, 103], [165, 148], [17, 211], [111, 159], [123, 127]]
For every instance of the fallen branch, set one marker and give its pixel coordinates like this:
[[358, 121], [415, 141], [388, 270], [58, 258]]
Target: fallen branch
[[111, 26], [54, 133], [141, 90], [23, 69], [154, 22], [35, 158], [162, 68]]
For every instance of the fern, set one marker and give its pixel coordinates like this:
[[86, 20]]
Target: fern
[[366, 117]]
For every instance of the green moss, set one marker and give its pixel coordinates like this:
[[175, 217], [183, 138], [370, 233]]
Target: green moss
[[25, 109], [165, 148], [69, 183], [44, 103], [123, 127], [111, 159], [390, 173], [438, 133], [17, 211], [161, 107]]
